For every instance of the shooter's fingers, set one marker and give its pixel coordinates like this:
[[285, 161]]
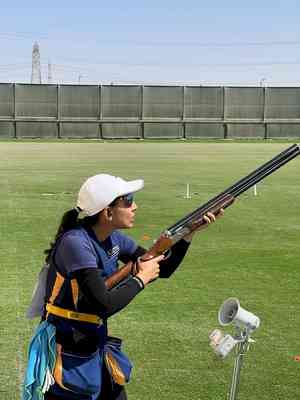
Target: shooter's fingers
[[209, 217], [206, 219]]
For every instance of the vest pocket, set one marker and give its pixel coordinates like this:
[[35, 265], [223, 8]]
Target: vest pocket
[[117, 363], [80, 374]]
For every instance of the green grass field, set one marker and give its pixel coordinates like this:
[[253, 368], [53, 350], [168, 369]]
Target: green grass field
[[252, 253]]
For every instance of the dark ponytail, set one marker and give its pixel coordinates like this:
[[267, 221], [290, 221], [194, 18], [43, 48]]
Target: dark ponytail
[[70, 221]]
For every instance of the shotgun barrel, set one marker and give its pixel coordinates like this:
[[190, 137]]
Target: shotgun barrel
[[242, 185]]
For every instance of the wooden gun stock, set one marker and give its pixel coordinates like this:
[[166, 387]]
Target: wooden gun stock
[[119, 275], [159, 247]]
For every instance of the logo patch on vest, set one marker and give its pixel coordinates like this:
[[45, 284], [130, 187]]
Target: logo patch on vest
[[114, 252]]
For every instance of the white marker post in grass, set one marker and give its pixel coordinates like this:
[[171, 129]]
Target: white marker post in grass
[[255, 190], [187, 195]]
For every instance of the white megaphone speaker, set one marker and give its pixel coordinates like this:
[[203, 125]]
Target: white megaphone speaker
[[231, 311]]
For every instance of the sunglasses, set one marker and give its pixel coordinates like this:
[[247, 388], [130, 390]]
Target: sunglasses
[[127, 200]]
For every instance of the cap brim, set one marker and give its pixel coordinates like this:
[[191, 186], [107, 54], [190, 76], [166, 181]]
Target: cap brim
[[133, 186]]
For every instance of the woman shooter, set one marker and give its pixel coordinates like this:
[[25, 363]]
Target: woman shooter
[[71, 355]]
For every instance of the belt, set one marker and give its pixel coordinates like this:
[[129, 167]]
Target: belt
[[77, 316]]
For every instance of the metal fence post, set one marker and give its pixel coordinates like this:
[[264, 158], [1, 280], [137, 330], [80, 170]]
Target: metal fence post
[[58, 105], [225, 114], [264, 112], [142, 127], [14, 111], [99, 112]]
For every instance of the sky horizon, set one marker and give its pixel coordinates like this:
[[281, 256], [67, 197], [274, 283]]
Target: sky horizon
[[159, 43]]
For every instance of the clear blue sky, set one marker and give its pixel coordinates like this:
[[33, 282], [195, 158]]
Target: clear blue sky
[[196, 42]]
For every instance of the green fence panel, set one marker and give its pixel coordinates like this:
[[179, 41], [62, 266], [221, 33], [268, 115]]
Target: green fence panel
[[36, 101], [162, 102], [79, 130], [163, 130], [121, 102], [246, 131], [121, 130], [6, 100], [244, 103], [283, 131], [7, 129], [203, 102], [203, 130], [92, 111], [79, 101], [36, 129], [282, 103]]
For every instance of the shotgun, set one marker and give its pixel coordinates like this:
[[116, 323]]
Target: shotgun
[[196, 219]]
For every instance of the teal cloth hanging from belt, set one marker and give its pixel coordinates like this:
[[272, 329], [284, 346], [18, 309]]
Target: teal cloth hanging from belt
[[41, 361]]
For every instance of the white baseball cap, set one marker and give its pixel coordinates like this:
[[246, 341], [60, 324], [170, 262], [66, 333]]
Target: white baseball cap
[[98, 191]]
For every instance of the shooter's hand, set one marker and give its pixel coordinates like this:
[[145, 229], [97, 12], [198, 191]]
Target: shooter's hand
[[148, 270], [208, 218]]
